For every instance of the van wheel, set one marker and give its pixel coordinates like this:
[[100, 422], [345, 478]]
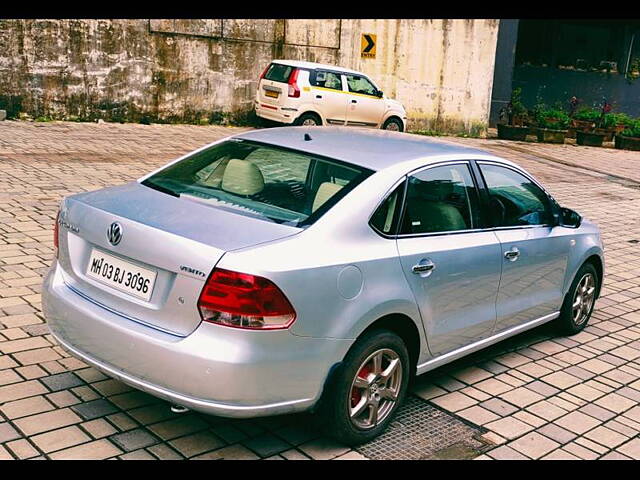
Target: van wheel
[[367, 391], [392, 124], [309, 120], [579, 302]]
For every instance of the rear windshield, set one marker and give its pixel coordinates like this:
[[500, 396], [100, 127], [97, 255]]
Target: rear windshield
[[278, 72], [262, 181]]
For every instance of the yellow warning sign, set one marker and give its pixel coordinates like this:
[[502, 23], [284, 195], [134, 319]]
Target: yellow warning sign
[[368, 45]]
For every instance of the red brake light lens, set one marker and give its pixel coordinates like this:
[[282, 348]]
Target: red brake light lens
[[244, 301], [294, 90], [264, 72]]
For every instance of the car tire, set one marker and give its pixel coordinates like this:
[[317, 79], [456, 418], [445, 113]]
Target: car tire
[[393, 124], [579, 302], [309, 119], [343, 395]]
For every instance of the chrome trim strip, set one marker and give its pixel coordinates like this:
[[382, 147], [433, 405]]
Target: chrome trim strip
[[461, 352], [115, 312], [178, 398]]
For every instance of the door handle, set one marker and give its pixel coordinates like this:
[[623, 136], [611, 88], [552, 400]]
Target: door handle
[[512, 255], [423, 267], [318, 96], [354, 101]]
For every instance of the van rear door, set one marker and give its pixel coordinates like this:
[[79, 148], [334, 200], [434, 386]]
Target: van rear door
[[273, 89]]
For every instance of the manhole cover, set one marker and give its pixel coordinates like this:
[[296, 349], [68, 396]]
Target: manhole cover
[[421, 431]]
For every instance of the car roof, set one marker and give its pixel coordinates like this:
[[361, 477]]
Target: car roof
[[369, 148], [313, 65]]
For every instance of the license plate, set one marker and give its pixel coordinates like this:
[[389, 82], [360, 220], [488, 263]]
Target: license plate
[[271, 93], [121, 275]]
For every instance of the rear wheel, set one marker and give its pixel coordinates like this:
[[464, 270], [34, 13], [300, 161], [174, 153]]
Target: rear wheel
[[579, 302], [309, 120], [393, 124], [368, 389]]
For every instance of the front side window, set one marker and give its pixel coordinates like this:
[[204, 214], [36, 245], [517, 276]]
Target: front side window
[[328, 80], [514, 199], [359, 84], [266, 182], [440, 199]]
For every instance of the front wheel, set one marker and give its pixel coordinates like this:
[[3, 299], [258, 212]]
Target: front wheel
[[368, 389], [579, 302], [393, 124]]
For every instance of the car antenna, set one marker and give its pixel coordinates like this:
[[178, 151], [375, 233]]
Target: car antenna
[[307, 137]]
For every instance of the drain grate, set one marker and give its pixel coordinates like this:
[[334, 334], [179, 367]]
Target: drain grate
[[421, 431]]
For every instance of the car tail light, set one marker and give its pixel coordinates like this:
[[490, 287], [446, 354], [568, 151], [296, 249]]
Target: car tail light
[[264, 72], [244, 301], [294, 90], [55, 233]]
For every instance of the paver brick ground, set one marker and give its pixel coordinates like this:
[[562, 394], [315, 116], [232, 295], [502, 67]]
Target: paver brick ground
[[536, 395]]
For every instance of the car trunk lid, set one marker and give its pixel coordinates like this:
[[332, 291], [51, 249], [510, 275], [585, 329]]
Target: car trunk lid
[[176, 239]]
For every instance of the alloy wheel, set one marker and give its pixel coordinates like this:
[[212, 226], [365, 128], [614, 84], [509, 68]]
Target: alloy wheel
[[309, 122], [375, 389], [393, 126], [583, 299]]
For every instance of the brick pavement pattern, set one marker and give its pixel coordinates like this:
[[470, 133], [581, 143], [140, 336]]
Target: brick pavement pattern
[[536, 395]]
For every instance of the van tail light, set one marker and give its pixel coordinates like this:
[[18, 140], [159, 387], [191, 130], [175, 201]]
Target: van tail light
[[294, 90], [244, 301], [55, 233], [264, 72]]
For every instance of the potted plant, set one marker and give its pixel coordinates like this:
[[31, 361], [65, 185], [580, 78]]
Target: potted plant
[[629, 139], [602, 127], [552, 125], [512, 118], [583, 120]]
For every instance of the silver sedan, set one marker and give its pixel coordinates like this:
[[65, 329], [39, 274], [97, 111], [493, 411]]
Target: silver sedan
[[319, 269]]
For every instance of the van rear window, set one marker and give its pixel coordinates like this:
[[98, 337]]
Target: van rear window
[[279, 73]]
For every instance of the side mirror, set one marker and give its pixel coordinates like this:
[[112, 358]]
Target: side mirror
[[569, 218], [379, 94]]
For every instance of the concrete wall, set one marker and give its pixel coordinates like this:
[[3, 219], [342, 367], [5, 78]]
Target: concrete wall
[[191, 70]]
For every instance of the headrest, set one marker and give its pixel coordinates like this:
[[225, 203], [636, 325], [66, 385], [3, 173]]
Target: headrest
[[439, 189], [242, 178], [325, 191]]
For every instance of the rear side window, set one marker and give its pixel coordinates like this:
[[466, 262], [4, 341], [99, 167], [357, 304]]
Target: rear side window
[[328, 80], [385, 218], [279, 73], [440, 199]]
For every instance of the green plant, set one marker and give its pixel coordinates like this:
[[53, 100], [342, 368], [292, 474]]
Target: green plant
[[587, 115], [553, 118], [613, 119], [632, 130]]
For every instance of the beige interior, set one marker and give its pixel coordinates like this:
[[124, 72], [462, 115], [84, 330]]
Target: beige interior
[[242, 178], [324, 193]]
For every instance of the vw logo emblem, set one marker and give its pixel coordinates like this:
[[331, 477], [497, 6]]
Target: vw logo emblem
[[114, 233]]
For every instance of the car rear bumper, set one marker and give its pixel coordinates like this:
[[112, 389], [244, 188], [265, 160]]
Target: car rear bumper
[[217, 370], [277, 115]]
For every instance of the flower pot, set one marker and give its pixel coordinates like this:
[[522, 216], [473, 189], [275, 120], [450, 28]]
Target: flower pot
[[607, 132], [582, 124], [548, 135], [590, 139], [627, 143], [512, 132]]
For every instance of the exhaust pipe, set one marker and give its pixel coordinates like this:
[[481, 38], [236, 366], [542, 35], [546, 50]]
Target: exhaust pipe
[[179, 409]]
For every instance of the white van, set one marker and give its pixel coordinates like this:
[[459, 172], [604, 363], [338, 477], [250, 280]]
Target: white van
[[305, 93]]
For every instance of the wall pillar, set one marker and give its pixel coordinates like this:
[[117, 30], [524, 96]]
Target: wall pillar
[[503, 71]]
